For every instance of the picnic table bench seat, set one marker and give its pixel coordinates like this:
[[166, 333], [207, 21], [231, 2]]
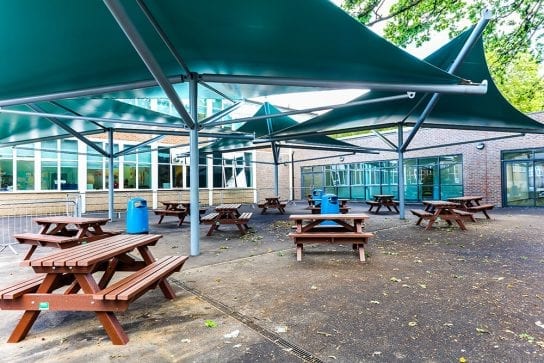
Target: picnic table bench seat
[[180, 213], [481, 208], [209, 218], [465, 214], [138, 283], [357, 239], [422, 214], [29, 286], [47, 240], [215, 220]]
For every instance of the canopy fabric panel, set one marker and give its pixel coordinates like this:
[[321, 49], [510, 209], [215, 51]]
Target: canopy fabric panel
[[489, 112], [62, 45], [267, 126], [18, 128]]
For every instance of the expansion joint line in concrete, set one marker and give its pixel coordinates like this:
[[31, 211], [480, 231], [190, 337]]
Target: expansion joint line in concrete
[[271, 336]]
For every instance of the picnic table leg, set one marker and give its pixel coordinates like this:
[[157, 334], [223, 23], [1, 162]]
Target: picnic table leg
[[242, 228], [165, 286], [264, 210], [181, 219], [299, 251], [485, 214], [108, 319], [361, 248], [30, 252], [213, 226], [160, 219], [461, 224], [378, 208], [29, 317], [419, 221], [430, 223]]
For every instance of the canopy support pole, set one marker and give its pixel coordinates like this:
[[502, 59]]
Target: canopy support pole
[[110, 175], [474, 36], [472, 88], [123, 20], [194, 169], [385, 140], [130, 149], [400, 171], [312, 109], [70, 130]]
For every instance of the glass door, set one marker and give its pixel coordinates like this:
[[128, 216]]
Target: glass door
[[520, 183]]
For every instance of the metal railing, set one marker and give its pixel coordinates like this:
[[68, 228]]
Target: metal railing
[[17, 216]]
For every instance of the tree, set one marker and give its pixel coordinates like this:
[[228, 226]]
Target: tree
[[521, 83], [514, 39], [517, 26]]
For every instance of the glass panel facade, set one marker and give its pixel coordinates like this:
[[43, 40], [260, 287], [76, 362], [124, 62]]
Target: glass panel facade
[[68, 165], [230, 170], [523, 178], [426, 178], [95, 169], [25, 168]]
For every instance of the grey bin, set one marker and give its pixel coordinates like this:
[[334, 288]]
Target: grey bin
[[137, 219]]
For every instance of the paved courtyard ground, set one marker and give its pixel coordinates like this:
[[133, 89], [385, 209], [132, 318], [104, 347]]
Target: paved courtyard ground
[[429, 296]]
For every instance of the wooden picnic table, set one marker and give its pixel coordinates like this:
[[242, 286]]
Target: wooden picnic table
[[66, 282], [227, 214], [274, 203], [346, 228], [444, 210], [471, 203], [64, 232], [383, 200], [172, 208]]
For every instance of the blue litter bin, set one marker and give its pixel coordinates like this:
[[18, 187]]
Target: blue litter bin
[[316, 196], [137, 221], [329, 205]]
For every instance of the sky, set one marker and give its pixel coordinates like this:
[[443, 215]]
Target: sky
[[313, 99]]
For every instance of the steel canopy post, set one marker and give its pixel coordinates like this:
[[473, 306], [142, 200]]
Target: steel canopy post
[[110, 175], [123, 20], [400, 170], [194, 169]]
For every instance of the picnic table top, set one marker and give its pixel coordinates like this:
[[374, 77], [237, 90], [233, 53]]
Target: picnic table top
[[346, 216], [228, 206], [71, 220], [384, 196], [440, 203], [88, 255], [466, 198]]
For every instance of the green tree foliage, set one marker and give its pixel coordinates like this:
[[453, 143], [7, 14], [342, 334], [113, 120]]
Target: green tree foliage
[[514, 37], [521, 84]]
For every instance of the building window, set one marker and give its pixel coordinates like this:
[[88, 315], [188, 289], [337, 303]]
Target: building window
[[233, 170], [164, 168], [25, 167], [137, 169], [523, 178], [98, 170], [425, 178], [6, 169], [50, 156]]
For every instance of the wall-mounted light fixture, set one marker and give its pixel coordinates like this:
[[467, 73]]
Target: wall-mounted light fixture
[[341, 158], [480, 146]]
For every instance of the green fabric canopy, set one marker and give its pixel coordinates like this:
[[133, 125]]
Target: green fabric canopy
[[267, 126], [489, 112], [23, 128], [53, 48]]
